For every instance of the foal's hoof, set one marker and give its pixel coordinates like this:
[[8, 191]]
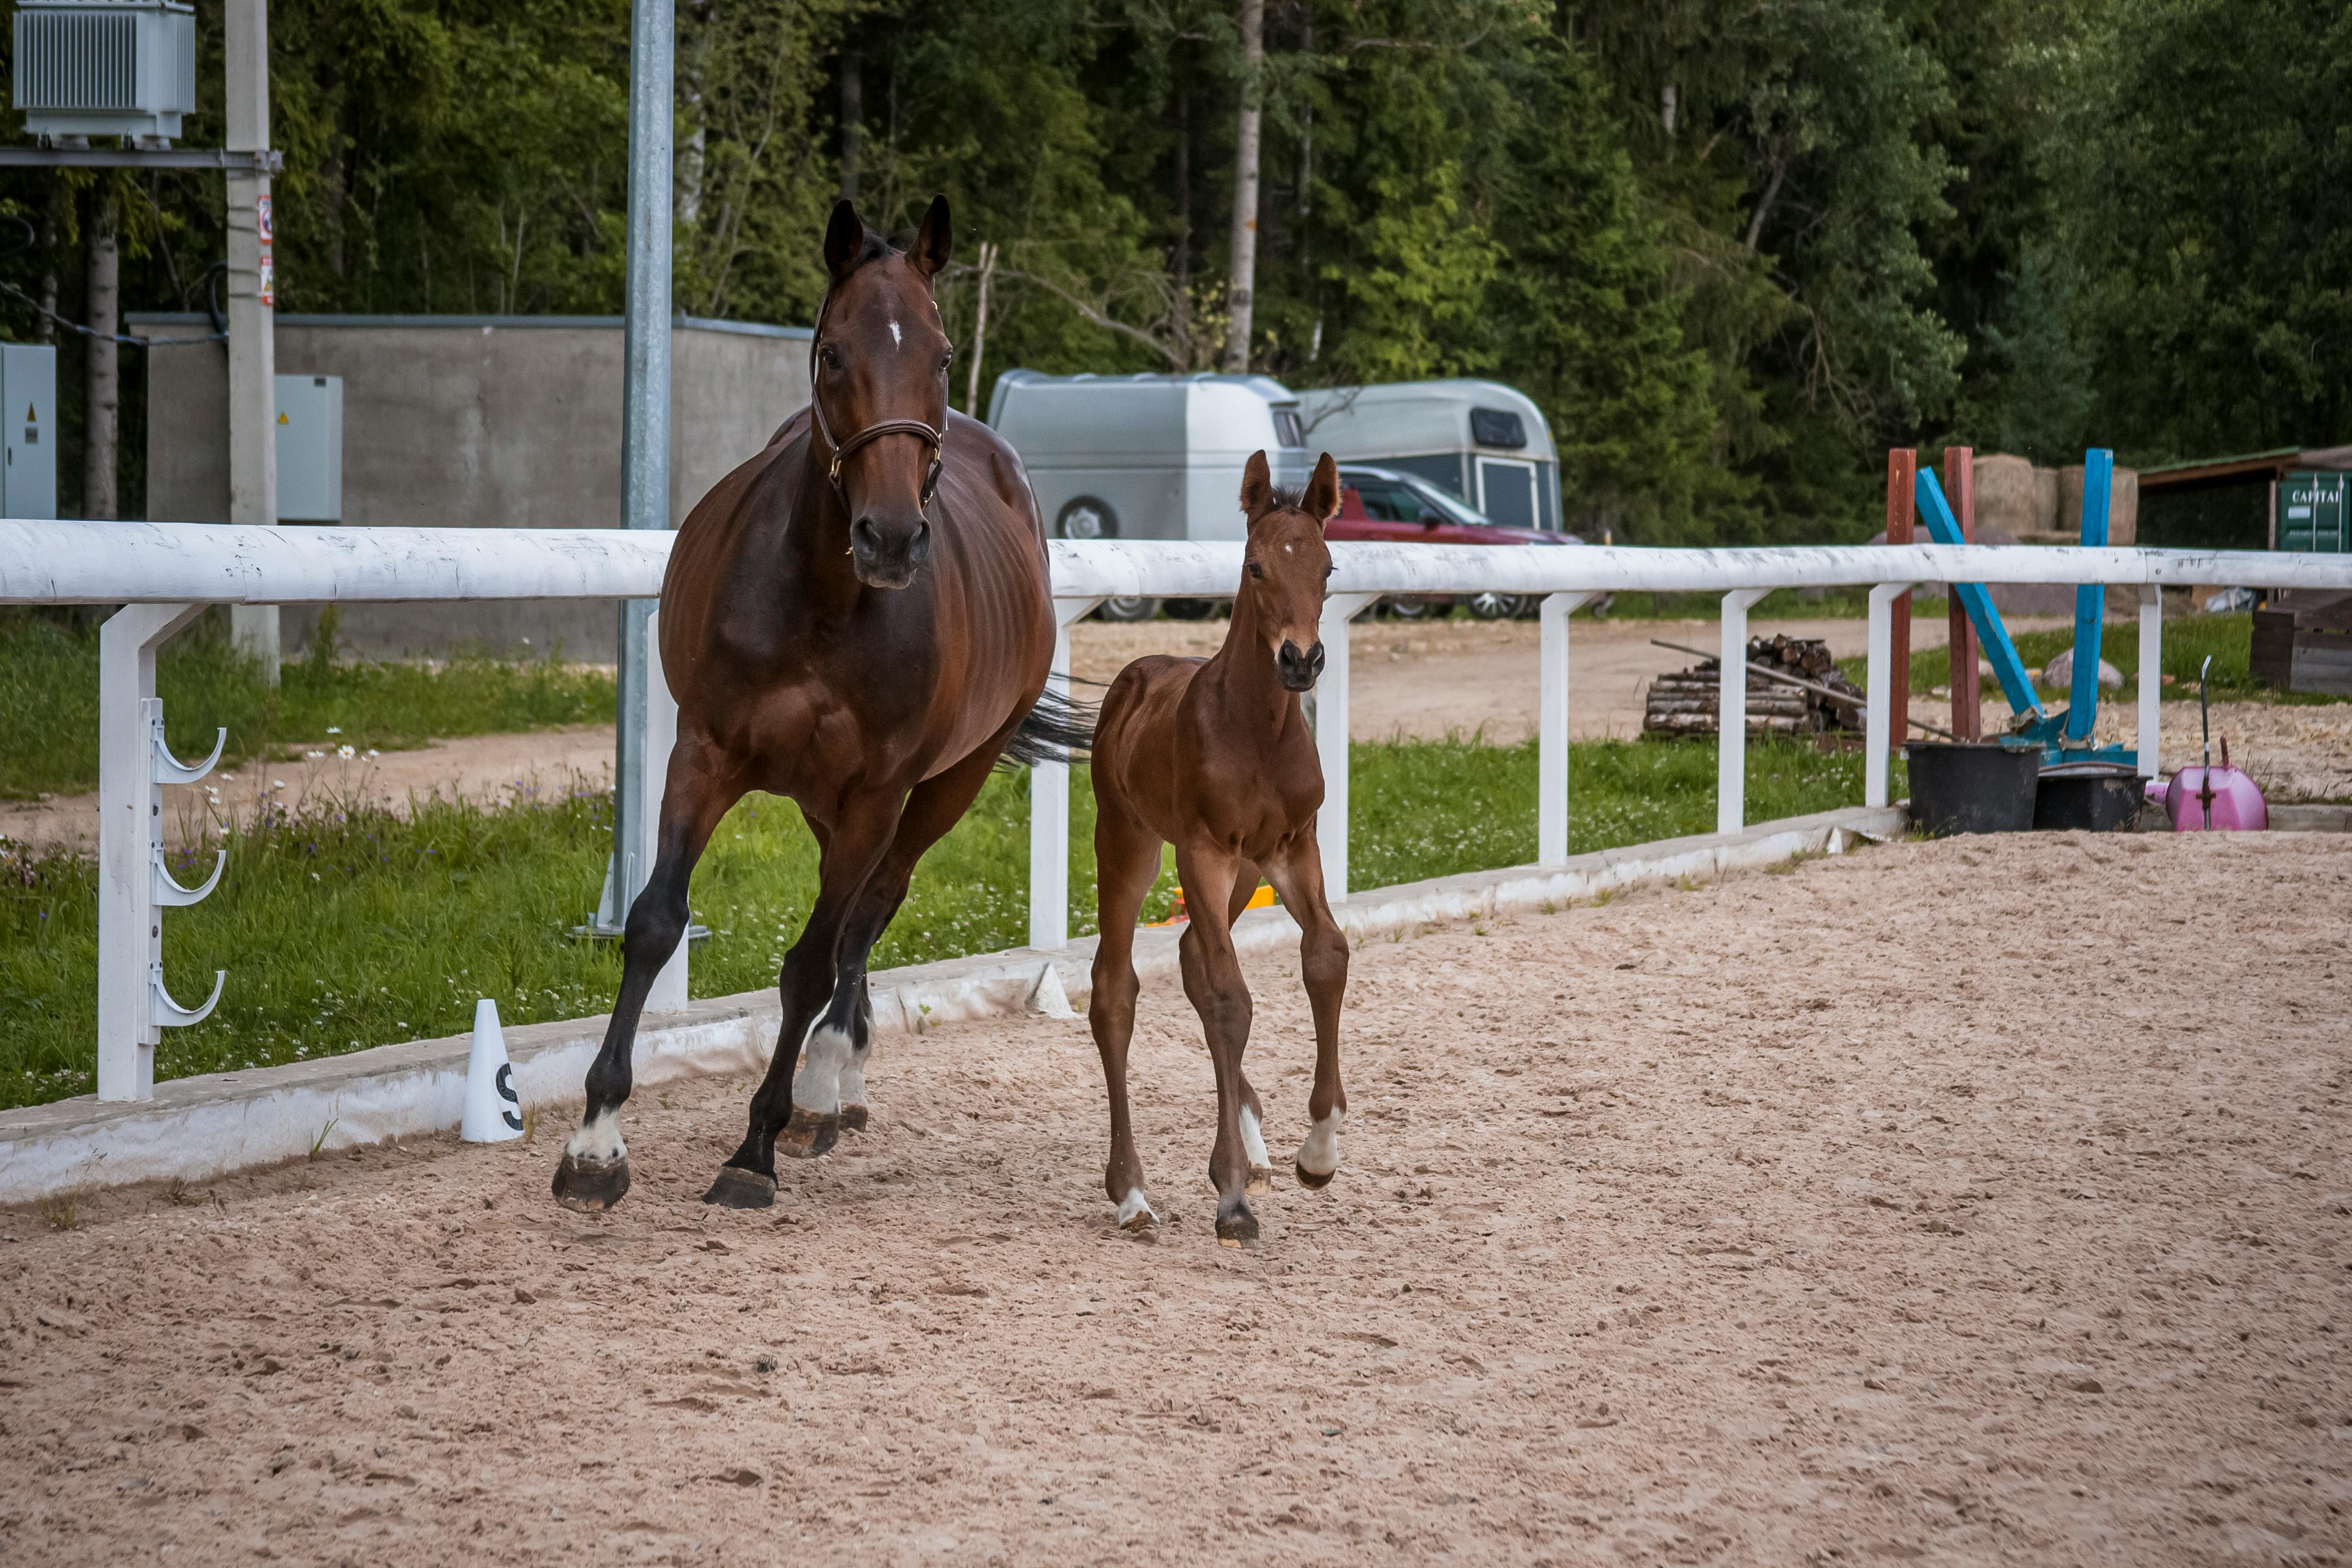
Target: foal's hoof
[[1237, 1227], [808, 1134], [1261, 1180], [1308, 1178], [592, 1186], [852, 1118], [738, 1188]]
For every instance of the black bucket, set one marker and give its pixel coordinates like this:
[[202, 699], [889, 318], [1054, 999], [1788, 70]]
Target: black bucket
[[1960, 787], [2087, 800]]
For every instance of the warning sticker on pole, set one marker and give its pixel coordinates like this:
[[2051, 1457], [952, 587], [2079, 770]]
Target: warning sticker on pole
[[263, 224], [269, 290]]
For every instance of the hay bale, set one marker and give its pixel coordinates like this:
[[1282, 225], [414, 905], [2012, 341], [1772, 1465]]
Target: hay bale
[[2123, 504], [2004, 494]]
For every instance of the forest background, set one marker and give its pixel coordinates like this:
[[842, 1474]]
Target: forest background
[[1735, 248]]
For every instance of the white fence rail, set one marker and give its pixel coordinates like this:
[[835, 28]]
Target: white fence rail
[[166, 572]]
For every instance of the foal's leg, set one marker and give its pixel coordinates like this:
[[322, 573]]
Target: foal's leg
[[1212, 980], [594, 1172], [1296, 871], [1127, 862], [933, 807], [1253, 1114], [806, 1107]]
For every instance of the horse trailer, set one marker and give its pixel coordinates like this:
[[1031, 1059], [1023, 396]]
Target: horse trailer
[[1481, 440], [1146, 457]]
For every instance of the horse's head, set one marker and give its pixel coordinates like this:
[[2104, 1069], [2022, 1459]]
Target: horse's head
[[878, 376], [1288, 566]]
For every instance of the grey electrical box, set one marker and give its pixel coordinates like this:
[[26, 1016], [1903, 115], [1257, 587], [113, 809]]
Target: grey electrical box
[[28, 430], [309, 449], [105, 67]]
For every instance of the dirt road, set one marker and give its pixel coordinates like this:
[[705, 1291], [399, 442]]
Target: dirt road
[[1743, 1225]]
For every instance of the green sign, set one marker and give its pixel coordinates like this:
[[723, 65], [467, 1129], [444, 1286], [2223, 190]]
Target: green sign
[[2312, 513]]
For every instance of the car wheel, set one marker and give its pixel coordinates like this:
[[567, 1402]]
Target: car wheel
[[1494, 606], [1128, 610], [1190, 609], [1086, 517], [1420, 606]]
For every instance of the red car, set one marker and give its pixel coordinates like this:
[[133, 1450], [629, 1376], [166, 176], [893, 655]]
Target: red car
[[1404, 509]]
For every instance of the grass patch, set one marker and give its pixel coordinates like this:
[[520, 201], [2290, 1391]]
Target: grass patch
[[49, 699], [341, 930]]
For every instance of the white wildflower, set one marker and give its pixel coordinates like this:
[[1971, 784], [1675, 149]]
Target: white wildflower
[[345, 753]]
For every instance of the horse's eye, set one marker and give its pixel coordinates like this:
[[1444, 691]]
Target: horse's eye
[[1256, 570], [829, 356], [1326, 573]]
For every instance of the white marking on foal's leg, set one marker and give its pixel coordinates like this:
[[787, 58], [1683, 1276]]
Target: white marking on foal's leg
[[853, 1077], [818, 1087], [597, 1138], [1319, 1155], [1253, 1141], [1134, 1211]]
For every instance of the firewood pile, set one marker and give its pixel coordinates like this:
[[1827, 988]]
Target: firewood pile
[[1685, 702]]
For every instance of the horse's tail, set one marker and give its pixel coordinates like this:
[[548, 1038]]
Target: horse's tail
[[1054, 730]]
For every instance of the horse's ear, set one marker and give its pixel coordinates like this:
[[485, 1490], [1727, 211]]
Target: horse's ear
[[845, 239], [935, 241], [1322, 502], [1257, 486]]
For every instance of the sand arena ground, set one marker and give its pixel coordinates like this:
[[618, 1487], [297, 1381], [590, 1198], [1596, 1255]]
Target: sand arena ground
[[1979, 1201]]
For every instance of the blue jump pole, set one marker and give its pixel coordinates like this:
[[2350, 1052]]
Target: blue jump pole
[[2090, 599]]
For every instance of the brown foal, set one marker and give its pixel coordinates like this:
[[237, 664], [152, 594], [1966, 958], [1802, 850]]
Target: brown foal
[[1215, 758]]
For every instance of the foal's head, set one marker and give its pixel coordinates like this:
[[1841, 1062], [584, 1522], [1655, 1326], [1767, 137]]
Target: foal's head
[[879, 380], [1288, 566]]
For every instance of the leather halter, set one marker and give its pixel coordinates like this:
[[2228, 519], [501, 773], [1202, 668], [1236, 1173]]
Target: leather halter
[[933, 437]]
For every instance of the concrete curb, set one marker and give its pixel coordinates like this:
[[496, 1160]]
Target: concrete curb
[[200, 1127]]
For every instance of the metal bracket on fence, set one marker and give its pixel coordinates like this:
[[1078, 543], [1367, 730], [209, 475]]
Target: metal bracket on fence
[[163, 768]]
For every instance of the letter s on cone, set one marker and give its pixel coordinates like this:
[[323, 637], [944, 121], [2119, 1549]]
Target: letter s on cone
[[493, 1107]]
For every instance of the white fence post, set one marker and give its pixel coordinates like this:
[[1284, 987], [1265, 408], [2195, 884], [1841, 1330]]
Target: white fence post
[[1731, 713], [1049, 807], [130, 811], [1879, 708], [1552, 729], [1331, 739], [669, 989], [2151, 675]]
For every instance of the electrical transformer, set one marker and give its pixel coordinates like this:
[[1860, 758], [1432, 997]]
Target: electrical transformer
[[105, 67]]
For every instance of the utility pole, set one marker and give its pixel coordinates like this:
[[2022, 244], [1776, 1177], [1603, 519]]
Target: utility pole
[[1241, 276], [103, 383], [252, 313], [645, 425]]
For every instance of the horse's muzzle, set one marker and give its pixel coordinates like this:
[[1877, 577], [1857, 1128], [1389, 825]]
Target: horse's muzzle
[[887, 555], [1299, 670]]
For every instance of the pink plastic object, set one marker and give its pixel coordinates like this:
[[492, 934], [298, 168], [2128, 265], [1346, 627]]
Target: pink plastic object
[[2238, 805]]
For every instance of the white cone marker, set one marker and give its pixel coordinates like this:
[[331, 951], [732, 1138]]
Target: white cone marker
[[493, 1107], [1049, 998]]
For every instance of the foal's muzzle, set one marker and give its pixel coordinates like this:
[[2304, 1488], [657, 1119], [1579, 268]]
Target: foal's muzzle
[[886, 555], [1299, 670]]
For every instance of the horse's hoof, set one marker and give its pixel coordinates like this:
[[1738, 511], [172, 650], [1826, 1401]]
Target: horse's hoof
[[738, 1188], [1237, 1227], [1261, 1179], [852, 1118], [1135, 1212], [1308, 1178], [808, 1134], [592, 1186]]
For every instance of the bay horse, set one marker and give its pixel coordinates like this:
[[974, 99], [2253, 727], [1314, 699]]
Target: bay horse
[[858, 617], [1214, 757]]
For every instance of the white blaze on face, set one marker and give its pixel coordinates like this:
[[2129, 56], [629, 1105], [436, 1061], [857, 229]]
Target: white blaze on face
[[896, 340]]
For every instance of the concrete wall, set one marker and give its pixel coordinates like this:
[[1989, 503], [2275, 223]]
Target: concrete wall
[[475, 421]]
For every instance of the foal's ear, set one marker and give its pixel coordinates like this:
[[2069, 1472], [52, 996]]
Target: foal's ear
[[935, 241], [845, 239], [1257, 485], [1322, 499]]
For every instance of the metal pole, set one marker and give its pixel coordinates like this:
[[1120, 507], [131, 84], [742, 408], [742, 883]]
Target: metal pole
[[644, 435], [2152, 676], [252, 313], [1878, 722]]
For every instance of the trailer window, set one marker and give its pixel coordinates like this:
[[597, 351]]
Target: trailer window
[[1497, 427], [1288, 431]]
